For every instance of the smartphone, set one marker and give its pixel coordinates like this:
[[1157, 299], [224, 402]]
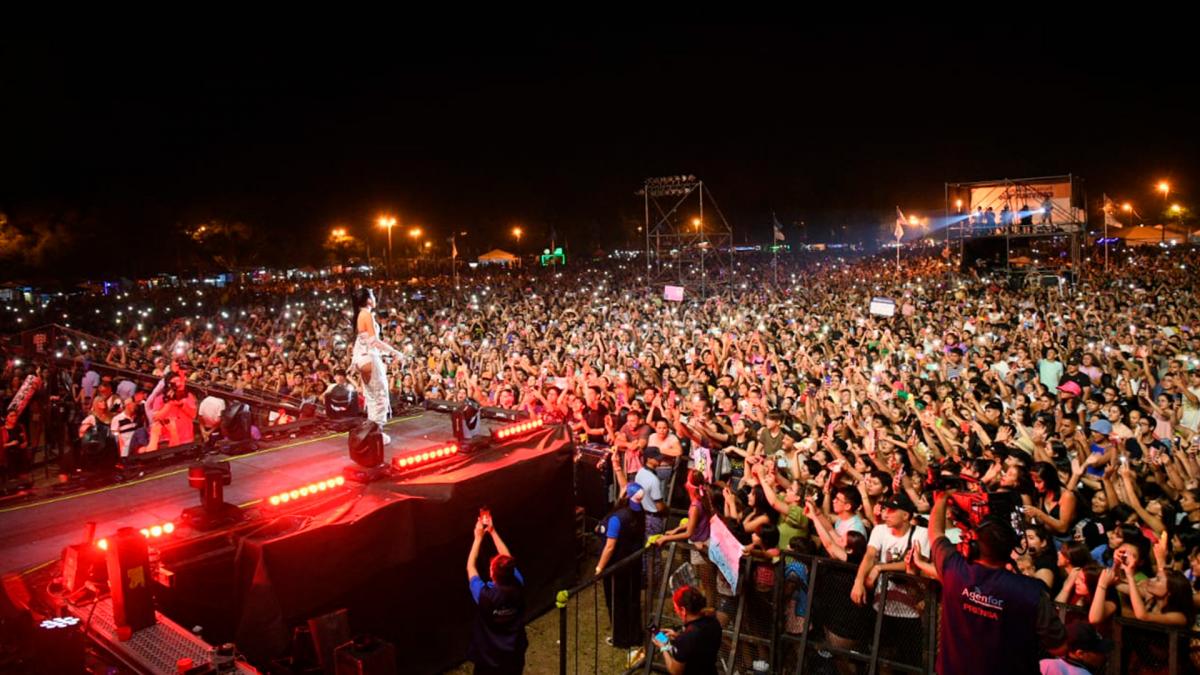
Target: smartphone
[[660, 638], [485, 517]]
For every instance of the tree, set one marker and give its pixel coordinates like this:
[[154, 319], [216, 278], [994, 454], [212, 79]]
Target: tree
[[341, 246], [230, 244]]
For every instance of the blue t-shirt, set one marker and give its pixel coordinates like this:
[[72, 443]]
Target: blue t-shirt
[[614, 527], [478, 585]]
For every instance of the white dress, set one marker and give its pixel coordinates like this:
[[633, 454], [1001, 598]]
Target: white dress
[[375, 390]]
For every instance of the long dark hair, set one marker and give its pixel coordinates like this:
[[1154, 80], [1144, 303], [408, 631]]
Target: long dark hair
[[856, 547], [1179, 596], [358, 298], [1051, 483]]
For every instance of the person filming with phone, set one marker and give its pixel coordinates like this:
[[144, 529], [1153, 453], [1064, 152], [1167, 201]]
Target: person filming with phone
[[498, 640], [694, 648]]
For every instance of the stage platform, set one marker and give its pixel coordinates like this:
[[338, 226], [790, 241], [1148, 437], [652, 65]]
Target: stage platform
[[392, 552], [36, 532]]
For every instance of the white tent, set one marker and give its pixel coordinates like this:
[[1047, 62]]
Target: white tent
[[498, 257], [1151, 235]]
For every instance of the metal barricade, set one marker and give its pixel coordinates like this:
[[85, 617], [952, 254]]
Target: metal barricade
[[586, 618], [1143, 648]]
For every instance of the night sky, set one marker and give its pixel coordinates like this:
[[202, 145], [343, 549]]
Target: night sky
[[119, 141]]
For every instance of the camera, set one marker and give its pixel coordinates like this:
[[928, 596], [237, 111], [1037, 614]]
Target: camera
[[939, 478]]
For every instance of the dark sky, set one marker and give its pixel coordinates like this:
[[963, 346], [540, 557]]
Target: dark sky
[[478, 131]]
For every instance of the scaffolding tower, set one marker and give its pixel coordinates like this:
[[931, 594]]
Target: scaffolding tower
[[688, 241]]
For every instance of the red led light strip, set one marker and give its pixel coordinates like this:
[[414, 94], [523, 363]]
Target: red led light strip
[[152, 532], [519, 428], [306, 491], [420, 457]]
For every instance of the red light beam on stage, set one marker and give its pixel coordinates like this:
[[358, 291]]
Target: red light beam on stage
[[518, 429]]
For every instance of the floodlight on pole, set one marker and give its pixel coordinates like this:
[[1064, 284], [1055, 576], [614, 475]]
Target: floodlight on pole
[[388, 222]]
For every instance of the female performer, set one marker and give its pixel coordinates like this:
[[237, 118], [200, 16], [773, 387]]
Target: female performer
[[366, 358]]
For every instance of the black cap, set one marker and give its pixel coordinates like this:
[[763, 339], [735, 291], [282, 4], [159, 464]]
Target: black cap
[[901, 501], [1082, 637]]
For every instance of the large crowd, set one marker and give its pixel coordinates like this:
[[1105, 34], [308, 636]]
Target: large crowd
[[819, 420]]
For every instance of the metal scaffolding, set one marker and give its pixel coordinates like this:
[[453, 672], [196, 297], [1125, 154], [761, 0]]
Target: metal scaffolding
[[1028, 229], [684, 246]]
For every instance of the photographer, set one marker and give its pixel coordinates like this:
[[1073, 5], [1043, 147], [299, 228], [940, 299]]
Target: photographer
[[498, 640], [171, 410], [990, 616]]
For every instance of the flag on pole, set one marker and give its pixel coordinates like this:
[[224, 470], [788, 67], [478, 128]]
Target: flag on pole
[[778, 228], [900, 220], [1110, 218]]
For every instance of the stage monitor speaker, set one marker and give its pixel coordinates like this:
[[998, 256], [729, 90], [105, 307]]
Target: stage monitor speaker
[[366, 444], [129, 581], [494, 413], [329, 631], [341, 402], [365, 655], [440, 405]]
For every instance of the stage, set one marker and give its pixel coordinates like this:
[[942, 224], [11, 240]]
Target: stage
[[392, 552]]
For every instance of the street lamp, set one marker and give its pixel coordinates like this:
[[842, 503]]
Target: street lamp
[[696, 223], [415, 234], [388, 223], [517, 232], [1165, 188]]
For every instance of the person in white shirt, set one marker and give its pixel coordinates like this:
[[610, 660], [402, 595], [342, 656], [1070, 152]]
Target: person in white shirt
[[123, 425], [1086, 653], [887, 551]]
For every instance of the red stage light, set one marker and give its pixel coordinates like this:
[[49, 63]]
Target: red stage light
[[412, 459], [102, 544], [518, 428], [168, 527], [305, 491], [156, 531], [145, 532]]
